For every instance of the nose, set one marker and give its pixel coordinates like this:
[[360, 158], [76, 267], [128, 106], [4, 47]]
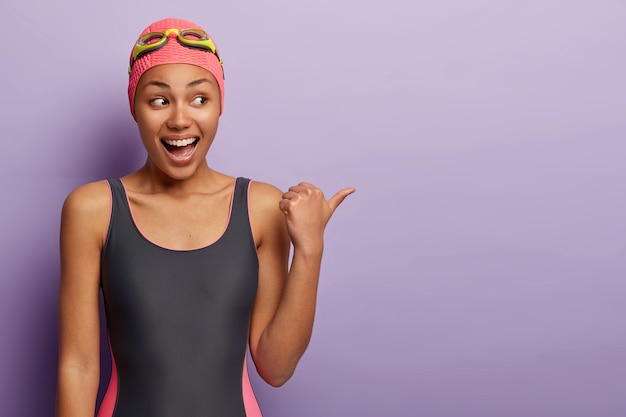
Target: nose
[[179, 118]]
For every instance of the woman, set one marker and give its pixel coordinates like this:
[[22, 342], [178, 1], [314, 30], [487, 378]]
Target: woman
[[193, 263]]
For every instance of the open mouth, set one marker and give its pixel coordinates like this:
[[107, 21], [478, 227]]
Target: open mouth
[[180, 148]]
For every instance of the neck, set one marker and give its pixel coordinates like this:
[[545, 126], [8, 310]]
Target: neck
[[151, 179]]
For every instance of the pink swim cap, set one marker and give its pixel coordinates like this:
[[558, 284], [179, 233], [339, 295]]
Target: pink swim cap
[[173, 53]]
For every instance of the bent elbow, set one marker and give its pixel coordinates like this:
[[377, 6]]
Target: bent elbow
[[277, 379], [277, 382]]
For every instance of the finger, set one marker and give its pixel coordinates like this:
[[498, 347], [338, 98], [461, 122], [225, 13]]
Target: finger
[[305, 188], [298, 189], [338, 198], [290, 195], [284, 206]]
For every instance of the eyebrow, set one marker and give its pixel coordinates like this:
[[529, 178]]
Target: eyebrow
[[191, 84], [158, 84], [197, 82]]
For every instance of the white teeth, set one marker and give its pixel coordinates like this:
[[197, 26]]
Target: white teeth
[[180, 142]]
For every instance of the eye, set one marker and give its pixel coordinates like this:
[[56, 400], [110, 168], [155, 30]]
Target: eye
[[158, 102], [200, 100]]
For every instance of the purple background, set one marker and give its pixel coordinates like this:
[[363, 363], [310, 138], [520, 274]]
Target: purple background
[[478, 271]]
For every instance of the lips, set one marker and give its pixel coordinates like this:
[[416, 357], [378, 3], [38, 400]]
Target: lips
[[180, 149]]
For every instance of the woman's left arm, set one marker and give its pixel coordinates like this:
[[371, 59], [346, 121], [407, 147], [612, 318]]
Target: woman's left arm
[[284, 308]]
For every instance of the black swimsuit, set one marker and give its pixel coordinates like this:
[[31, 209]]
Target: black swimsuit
[[178, 321]]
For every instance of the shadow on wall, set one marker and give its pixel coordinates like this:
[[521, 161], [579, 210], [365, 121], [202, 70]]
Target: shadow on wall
[[29, 334], [31, 270], [114, 150]]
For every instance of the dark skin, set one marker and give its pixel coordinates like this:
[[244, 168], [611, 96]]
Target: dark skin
[[171, 197]]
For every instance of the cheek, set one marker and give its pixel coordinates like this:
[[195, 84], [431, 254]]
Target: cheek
[[147, 122], [148, 130], [208, 120]]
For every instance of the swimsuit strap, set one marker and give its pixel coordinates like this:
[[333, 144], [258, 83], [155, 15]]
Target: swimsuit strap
[[121, 216], [239, 219]]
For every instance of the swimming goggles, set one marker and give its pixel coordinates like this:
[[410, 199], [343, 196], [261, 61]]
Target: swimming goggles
[[190, 38]]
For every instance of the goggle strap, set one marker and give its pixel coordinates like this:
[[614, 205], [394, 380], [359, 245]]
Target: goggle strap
[[149, 48], [205, 44], [200, 47]]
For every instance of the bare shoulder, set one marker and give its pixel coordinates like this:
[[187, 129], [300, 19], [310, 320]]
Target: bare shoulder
[[264, 196], [266, 218], [88, 208], [92, 198]]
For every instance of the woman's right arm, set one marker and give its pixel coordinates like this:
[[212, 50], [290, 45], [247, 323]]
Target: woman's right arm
[[84, 224]]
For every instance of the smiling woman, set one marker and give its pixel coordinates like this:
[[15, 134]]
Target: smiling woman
[[192, 263], [177, 107]]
